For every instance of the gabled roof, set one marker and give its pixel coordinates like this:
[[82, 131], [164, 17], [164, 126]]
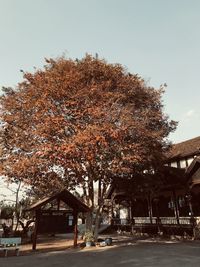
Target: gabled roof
[[165, 178], [185, 149], [66, 197], [194, 166]]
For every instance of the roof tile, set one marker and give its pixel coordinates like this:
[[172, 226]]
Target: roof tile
[[184, 149]]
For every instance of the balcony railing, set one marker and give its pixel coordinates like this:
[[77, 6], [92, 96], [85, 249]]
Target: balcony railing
[[161, 220]]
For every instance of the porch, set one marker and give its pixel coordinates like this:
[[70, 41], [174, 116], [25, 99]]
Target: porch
[[154, 225]]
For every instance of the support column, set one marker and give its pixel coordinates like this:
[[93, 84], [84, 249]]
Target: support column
[[176, 210], [189, 197], [58, 204], [192, 219], [158, 220], [128, 212], [150, 208], [75, 215], [132, 221], [37, 220]]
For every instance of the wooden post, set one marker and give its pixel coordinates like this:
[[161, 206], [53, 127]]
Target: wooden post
[[132, 221], [176, 210], [111, 213], [128, 212], [192, 218], [150, 208], [37, 219], [75, 215], [158, 220], [58, 204], [189, 197]]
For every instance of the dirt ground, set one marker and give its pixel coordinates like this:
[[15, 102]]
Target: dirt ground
[[124, 252], [46, 244]]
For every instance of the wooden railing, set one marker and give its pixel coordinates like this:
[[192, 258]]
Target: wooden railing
[[154, 220], [172, 220], [144, 220]]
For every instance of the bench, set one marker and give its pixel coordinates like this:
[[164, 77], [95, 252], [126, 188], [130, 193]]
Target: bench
[[10, 243]]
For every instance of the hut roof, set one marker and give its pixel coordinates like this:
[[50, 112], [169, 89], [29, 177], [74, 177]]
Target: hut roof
[[67, 197]]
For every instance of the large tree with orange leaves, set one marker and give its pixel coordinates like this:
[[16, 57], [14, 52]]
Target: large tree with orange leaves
[[79, 122]]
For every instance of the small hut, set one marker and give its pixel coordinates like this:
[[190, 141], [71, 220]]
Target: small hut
[[57, 220]]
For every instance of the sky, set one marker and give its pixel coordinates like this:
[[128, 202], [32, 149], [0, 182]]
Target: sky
[[158, 39]]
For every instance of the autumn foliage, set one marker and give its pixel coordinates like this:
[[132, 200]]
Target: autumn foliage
[[76, 122]]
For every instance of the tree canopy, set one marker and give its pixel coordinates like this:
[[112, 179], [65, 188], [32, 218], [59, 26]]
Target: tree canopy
[[76, 122]]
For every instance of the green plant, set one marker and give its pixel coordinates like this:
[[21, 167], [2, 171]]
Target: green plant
[[88, 237]]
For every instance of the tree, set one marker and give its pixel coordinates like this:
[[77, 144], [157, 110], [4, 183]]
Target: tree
[[76, 123], [17, 198], [6, 211]]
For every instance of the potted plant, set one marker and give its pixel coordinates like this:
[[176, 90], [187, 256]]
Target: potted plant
[[89, 239]]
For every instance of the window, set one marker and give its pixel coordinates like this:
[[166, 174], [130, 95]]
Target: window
[[174, 164], [183, 163]]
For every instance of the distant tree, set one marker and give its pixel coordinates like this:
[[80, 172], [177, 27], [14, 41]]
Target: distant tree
[[15, 188], [6, 211], [76, 123]]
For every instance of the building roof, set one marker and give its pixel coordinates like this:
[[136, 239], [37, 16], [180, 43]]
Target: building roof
[[66, 197], [165, 178], [194, 166], [184, 149]]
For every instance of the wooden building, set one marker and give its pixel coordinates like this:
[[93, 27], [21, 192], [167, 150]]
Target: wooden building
[[169, 198], [57, 213]]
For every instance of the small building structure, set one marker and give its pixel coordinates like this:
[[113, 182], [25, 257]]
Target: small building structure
[[50, 217]]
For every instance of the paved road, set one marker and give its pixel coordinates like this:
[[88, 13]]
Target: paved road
[[136, 254]]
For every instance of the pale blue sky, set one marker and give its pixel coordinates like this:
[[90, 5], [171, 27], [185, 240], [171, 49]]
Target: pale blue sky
[[158, 39]]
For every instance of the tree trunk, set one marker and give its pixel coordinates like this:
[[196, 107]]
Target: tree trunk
[[25, 227], [16, 206], [100, 200], [97, 222], [89, 219]]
